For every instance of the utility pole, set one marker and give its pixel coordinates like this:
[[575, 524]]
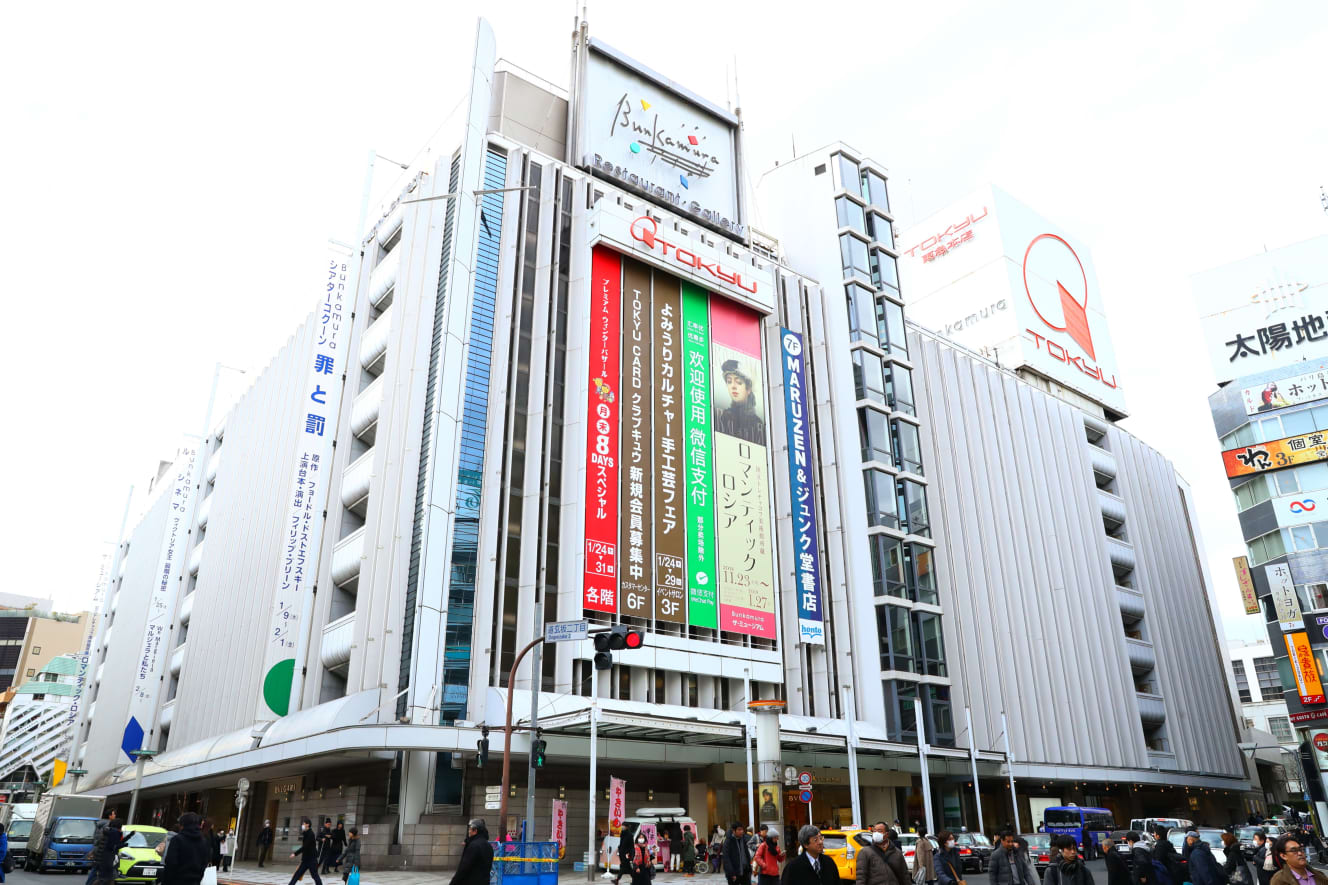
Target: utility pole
[[536, 678]]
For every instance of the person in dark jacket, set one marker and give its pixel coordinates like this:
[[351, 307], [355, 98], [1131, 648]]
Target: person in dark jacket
[[1066, 868], [476, 857], [1165, 853], [624, 858], [214, 843], [264, 841], [1204, 868], [642, 864], [101, 825], [1264, 864], [308, 852], [949, 868], [338, 845], [1141, 862], [812, 866], [1118, 872], [350, 857], [187, 854], [1234, 861], [1006, 867], [106, 851], [689, 854], [894, 856], [737, 857], [327, 851]]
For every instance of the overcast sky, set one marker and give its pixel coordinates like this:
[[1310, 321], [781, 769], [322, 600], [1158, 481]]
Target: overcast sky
[[172, 172]]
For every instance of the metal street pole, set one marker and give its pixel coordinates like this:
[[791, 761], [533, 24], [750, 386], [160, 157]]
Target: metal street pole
[[594, 771], [850, 715], [535, 679], [973, 762], [921, 726], [1009, 767], [507, 731], [241, 793], [747, 745], [139, 756]]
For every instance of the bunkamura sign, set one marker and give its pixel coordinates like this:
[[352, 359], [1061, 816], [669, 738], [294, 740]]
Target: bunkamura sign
[[315, 427], [1297, 390], [1276, 455], [806, 546], [648, 134]]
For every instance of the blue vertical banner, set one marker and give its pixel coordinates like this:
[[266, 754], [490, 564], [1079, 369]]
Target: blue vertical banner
[[811, 619]]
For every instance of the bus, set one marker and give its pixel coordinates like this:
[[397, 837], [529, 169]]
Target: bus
[[1088, 826]]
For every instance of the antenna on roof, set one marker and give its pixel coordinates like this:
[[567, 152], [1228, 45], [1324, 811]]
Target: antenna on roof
[[737, 96]]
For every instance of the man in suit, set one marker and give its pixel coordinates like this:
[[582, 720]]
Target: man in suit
[[812, 866]]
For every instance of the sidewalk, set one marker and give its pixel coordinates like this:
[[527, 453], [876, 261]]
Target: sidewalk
[[248, 873]]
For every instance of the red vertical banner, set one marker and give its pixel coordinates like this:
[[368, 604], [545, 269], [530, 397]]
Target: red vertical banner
[[600, 587]]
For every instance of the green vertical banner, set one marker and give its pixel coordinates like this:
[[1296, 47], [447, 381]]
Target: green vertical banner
[[698, 461]]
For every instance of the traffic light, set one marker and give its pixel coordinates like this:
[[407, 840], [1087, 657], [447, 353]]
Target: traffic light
[[482, 749], [618, 637], [537, 748]]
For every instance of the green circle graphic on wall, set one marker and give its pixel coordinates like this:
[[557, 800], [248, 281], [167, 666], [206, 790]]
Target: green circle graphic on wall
[[277, 686]]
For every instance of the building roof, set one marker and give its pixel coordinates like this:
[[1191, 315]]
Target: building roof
[[59, 689], [64, 665]]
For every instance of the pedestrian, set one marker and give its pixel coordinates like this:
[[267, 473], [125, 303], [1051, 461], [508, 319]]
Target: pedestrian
[[350, 857], [1165, 858], [1234, 861], [1030, 868], [476, 857], [187, 854], [264, 842], [947, 861], [101, 824], [1118, 872], [924, 861], [338, 845], [227, 849], [1141, 862], [1290, 852], [1005, 866], [894, 855], [1066, 867], [754, 839], [768, 858], [326, 848], [689, 854], [1265, 865], [1203, 867], [875, 865], [642, 867], [214, 845], [737, 856], [106, 851], [674, 862], [624, 857], [308, 852], [812, 866]]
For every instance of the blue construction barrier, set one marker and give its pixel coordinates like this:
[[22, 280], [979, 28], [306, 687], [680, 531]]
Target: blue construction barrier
[[524, 863]]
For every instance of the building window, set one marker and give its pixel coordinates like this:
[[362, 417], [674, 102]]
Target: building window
[[895, 635], [31, 672], [1242, 683], [881, 501], [889, 577], [907, 445], [848, 172], [899, 389], [884, 272], [913, 507], [880, 230], [1313, 597], [940, 721], [1249, 723], [862, 324], [874, 434], [1280, 728], [1250, 493], [1241, 436], [900, 717], [931, 645], [920, 569], [873, 190], [1270, 682], [1266, 547], [868, 376], [850, 214], [853, 256], [890, 322], [690, 688], [36, 649]]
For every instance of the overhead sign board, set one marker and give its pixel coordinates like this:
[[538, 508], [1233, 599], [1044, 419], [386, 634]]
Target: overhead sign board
[[1268, 396], [1275, 455], [647, 134], [566, 631], [996, 277], [1266, 311], [1308, 684]]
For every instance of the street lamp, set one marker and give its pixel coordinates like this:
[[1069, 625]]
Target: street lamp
[[76, 773], [139, 755]]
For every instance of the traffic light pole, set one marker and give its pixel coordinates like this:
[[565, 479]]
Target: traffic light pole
[[507, 733], [536, 678]]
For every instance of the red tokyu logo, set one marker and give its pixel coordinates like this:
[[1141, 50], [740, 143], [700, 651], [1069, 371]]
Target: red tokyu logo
[[1050, 256], [646, 230]]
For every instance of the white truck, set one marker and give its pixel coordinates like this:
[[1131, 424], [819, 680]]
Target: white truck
[[17, 819]]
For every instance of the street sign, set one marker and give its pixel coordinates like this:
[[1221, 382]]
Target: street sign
[[566, 631], [805, 796], [492, 806], [493, 790], [805, 778], [790, 773]]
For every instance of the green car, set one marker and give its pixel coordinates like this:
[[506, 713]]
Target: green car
[[139, 860]]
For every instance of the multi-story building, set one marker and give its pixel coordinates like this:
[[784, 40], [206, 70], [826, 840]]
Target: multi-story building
[[1263, 708], [1265, 322], [36, 726], [562, 379]]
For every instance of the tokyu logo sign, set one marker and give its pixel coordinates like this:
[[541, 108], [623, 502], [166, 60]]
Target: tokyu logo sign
[[1058, 294], [645, 230]]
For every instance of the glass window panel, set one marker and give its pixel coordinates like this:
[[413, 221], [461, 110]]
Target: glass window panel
[[880, 229], [913, 507], [1321, 533], [853, 255], [1320, 417], [848, 173], [1294, 423], [862, 324], [1312, 477], [884, 271], [924, 578], [939, 711], [900, 721], [874, 431], [895, 638], [877, 488], [1302, 537], [887, 566], [930, 645], [1274, 544], [890, 323], [868, 376], [1284, 674], [1270, 428], [899, 389], [1287, 482], [908, 448], [850, 214], [873, 190], [1313, 597]]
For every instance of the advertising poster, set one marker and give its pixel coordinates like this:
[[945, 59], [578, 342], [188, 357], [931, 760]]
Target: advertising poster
[[635, 588], [1285, 602], [807, 572], [702, 586], [1295, 391], [1245, 581], [1289, 452], [1308, 684], [743, 530], [617, 804], [559, 828], [769, 810], [667, 427], [600, 588]]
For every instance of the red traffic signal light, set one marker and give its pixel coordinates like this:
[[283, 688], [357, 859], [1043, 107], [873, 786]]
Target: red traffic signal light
[[634, 639]]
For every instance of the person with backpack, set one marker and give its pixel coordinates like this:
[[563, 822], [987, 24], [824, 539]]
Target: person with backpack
[[1204, 868], [1142, 862], [1166, 862]]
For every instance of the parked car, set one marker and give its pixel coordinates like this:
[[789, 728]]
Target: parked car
[[974, 851], [1039, 849], [139, 860], [1146, 824], [908, 843]]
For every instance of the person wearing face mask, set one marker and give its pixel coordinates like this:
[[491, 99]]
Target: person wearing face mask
[[308, 852], [947, 862], [643, 865], [874, 862], [924, 860], [767, 860]]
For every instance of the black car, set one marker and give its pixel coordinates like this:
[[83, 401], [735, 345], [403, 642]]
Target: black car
[[1039, 850], [974, 851]]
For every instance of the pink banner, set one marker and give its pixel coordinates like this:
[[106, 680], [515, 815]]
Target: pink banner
[[559, 828], [617, 805]]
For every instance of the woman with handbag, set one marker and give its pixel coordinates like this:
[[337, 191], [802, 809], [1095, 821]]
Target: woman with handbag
[[643, 865], [1234, 866], [767, 860], [946, 860], [924, 862], [350, 858]]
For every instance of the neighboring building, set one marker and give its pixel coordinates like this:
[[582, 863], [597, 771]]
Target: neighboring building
[[36, 729], [566, 381], [1263, 707], [1265, 321]]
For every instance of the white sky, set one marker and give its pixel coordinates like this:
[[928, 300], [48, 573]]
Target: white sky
[[172, 173]]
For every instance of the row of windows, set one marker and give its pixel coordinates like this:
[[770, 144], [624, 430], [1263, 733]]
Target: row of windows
[[1305, 478], [876, 320], [910, 641], [870, 184], [868, 263], [1278, 427], [900, 715], [902, 569], [896, 503], [873, 225], [889, 440], [877, 381], [1296, 539], [1265, 672]]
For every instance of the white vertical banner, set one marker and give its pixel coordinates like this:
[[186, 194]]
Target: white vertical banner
[[559, 829], [94, 619], [161, 606], [315, 423]]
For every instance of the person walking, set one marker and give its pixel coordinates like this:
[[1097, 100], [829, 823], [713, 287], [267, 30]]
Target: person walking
[[227, 849], [1141, 862], [101, 825], [1203, 867], [1118, 872], [894, 855], [624, 858], [1265, 865], [1066, 867], [689, 854], [1234, 861], [1005, 866], [350, 857], [264, 842], [1290, 851], [338, 845], [326, 846], [187, 854], [476, 857], [768, 858], [642, 867], [308, 853], [106, 851], [875, 864], [949, 867], [1164, 853], [924, 860], [214, 843], [813, 866], [737, 856]]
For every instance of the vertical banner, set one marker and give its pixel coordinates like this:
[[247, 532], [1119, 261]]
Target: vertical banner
[[85, 656], [617, 805], [1285, 602], [743, 530], [667, 426], [702, 588], [315, 426], [1308, 684], [559, 828], [637, 572], [146, 679], [1245, 581], [811, 621], [600, 588]]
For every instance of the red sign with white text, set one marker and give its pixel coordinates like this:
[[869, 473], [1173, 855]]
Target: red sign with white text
[[600, 587]]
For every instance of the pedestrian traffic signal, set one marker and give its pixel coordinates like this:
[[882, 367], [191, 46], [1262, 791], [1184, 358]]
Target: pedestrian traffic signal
[[537, 749], [616, 638]]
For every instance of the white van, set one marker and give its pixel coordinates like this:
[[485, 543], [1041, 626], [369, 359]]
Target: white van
[[1146, 824], [669, 824]]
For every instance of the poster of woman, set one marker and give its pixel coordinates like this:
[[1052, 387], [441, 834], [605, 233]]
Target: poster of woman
[[739, 400]]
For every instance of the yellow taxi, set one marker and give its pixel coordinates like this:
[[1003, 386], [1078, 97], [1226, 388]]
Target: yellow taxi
[[843, 846]]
